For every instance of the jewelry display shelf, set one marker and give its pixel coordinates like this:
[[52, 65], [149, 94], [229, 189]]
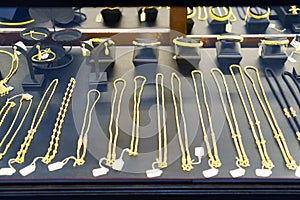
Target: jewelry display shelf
[[79, 181]]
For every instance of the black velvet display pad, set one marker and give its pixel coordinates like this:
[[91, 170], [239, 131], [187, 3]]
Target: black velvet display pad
[[217, 27], [135, 167], [228, 53], [189, 25], [111, 17], [286, 17], [151, 14], [187, 58], [257, 25], [273, 55]]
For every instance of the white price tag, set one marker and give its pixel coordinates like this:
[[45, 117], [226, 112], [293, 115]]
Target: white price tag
[[210, 172], [10, 88], [228, 27], [99, 18], [199, 151], [100, 171], [45, 56], [272, 25], [55, 166], [259, 50], [263, 172], [21, 45], [151, 173], [237, 172], [294, 43], [143, 17], [27, 170], [7, 171], [118, 164], [297, 172], [291, 59]]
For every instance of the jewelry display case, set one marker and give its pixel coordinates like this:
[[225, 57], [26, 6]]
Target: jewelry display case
[[105, 101]]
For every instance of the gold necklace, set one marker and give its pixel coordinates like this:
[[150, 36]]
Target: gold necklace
[[26, 97], [5, 110], [54, 143], [4, 88], [133, 149], [260, 141], [186, 160], [162, 160], [214, 160], [242, 159], [113, 137], [82, 142], [289, 160], [33, 129]]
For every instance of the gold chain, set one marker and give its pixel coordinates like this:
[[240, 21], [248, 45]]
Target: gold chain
[[214, 159], [26, 97], [289, 160], [111, 154], [162, 157], [35, 123], [53, 145], [186, 160], [83, 138], [4, 89], [133, 151], [260, 142], [6, 108], [242, 159]]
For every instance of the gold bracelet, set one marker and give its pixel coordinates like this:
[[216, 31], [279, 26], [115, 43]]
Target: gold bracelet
[[133, 150], [220, 18], [192, 14], [294, 10], [53, 145], [242, 159], [36, 122], [260, 141], [265, 105], [262, 16], [187, 44], [46, 52], [26, 97], [214, 160], [231, 37], [275, 42], [113, 137], [4, 88], [145, 44], [112, 8], [17, 23], [31, 33]]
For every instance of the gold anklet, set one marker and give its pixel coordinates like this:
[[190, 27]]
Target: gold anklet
[[260, 141]]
